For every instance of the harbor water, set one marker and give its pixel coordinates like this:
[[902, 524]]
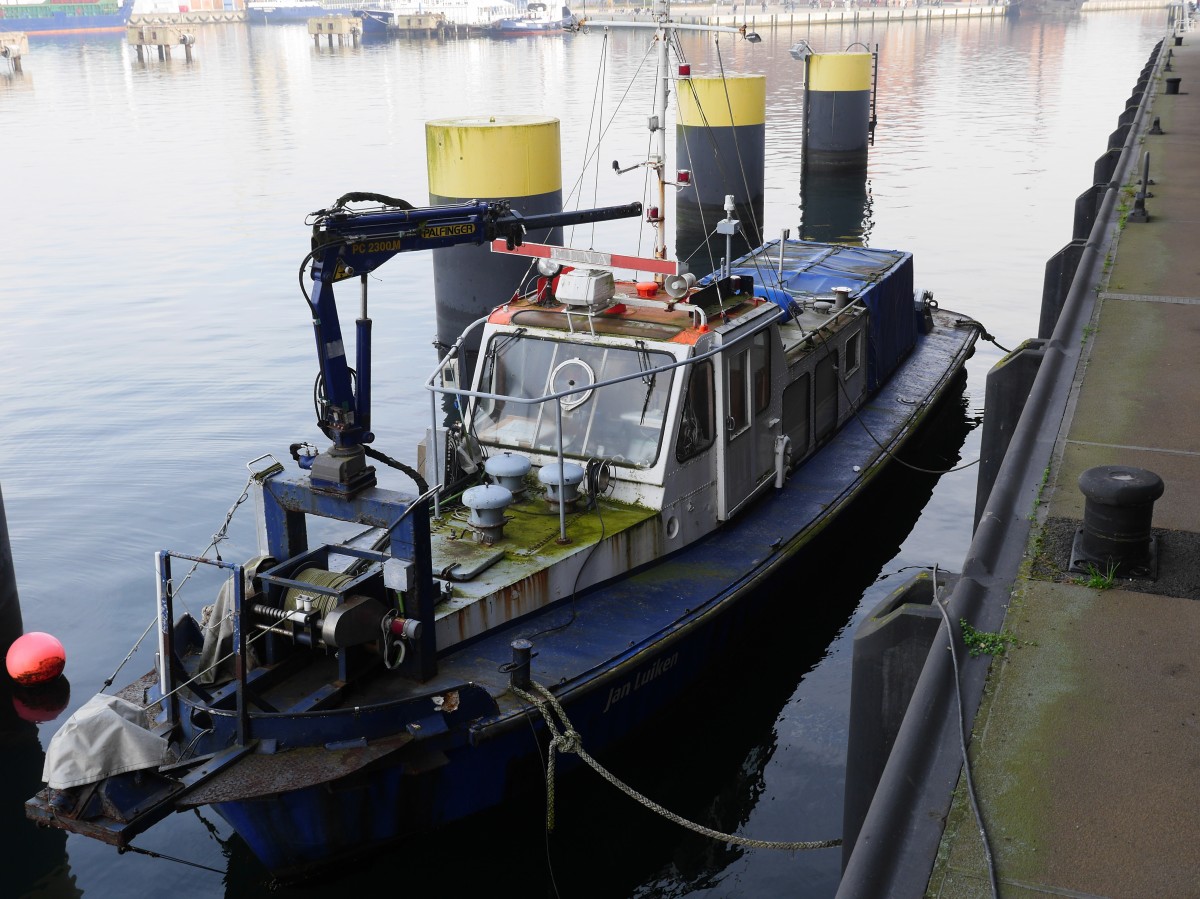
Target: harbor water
[[154, 340]]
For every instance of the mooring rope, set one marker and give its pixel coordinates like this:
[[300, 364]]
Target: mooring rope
[[564, 738], [888, 452], [962, 741], [170, 858], [983, 332]]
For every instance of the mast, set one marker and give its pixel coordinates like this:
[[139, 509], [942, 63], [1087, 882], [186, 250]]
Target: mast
[[659, 123], [665, 30]]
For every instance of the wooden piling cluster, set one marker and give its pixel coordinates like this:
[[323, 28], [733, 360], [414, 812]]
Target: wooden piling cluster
[[164, 37]]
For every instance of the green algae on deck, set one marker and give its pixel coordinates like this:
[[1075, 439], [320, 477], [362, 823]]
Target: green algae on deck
[[530, 540], [531, 521]]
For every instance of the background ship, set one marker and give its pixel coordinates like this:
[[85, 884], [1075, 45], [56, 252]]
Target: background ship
[[65, 18]]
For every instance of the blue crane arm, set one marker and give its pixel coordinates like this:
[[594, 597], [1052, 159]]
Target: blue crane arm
[[350, 243]]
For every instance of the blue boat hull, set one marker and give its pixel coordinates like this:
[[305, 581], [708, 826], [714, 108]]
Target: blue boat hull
[[289, 14], [703, 602], [374, 24], [300, 832]]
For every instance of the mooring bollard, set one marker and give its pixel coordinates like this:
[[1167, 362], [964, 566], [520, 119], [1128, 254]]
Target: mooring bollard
[[1155, 127], [1173, 85], [1117, 512], [1138, 214], [518, 668]]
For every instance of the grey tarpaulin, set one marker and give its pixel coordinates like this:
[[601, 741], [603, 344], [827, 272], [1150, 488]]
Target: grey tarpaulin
[[218, 637], [108, 735]]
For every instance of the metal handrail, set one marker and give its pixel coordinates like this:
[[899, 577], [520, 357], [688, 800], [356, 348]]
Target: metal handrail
[[166, 647]]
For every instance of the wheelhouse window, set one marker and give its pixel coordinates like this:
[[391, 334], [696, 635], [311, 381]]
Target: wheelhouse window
[[748, 374], [622, 422], [698, 417], [850, 355], [760, 360], [736, 367]]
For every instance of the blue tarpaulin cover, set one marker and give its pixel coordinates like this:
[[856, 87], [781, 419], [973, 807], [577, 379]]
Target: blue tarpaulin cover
[[883, 279]]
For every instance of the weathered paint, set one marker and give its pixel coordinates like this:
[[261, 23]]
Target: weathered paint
[[493, 157], [538, 570]]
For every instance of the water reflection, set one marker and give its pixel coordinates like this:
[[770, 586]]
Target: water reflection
[[836, 207], [35, 858]]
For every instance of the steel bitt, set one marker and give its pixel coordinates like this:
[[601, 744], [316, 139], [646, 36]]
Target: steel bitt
[[1138, 214], [518, 668], [1118, 509]]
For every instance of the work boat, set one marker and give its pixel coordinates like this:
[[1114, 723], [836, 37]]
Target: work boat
[[637, 452]]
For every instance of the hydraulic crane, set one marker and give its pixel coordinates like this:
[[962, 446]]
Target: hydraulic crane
[[354, 242]]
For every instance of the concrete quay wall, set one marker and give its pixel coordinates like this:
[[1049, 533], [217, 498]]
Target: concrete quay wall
[[1083, 746]]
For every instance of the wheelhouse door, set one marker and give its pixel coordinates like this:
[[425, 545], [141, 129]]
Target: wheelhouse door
[[748, 442]]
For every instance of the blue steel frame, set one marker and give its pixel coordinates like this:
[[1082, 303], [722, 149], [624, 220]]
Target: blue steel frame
[[354, 243], [167, 660], [286, 500]]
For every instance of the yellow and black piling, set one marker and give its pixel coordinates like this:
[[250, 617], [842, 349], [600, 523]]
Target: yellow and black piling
[[515, 158], [837, 109], [720, 141]]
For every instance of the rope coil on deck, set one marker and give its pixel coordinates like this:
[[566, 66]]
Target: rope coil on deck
[[564, 738]]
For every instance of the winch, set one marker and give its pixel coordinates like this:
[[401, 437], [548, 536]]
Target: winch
[[349, 612]]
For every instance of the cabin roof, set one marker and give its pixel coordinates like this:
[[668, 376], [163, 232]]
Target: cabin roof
[[639, 310], [815, 269]]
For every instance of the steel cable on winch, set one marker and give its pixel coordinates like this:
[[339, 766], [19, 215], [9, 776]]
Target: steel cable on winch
[[564, 738]]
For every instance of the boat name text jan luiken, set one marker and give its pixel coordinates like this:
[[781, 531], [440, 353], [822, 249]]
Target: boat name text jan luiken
[[661, 666]]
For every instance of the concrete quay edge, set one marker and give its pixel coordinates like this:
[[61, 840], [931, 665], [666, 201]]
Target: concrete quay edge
[[1086, 750]]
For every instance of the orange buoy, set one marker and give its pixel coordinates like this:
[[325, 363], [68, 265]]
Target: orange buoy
[[35, 658]]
